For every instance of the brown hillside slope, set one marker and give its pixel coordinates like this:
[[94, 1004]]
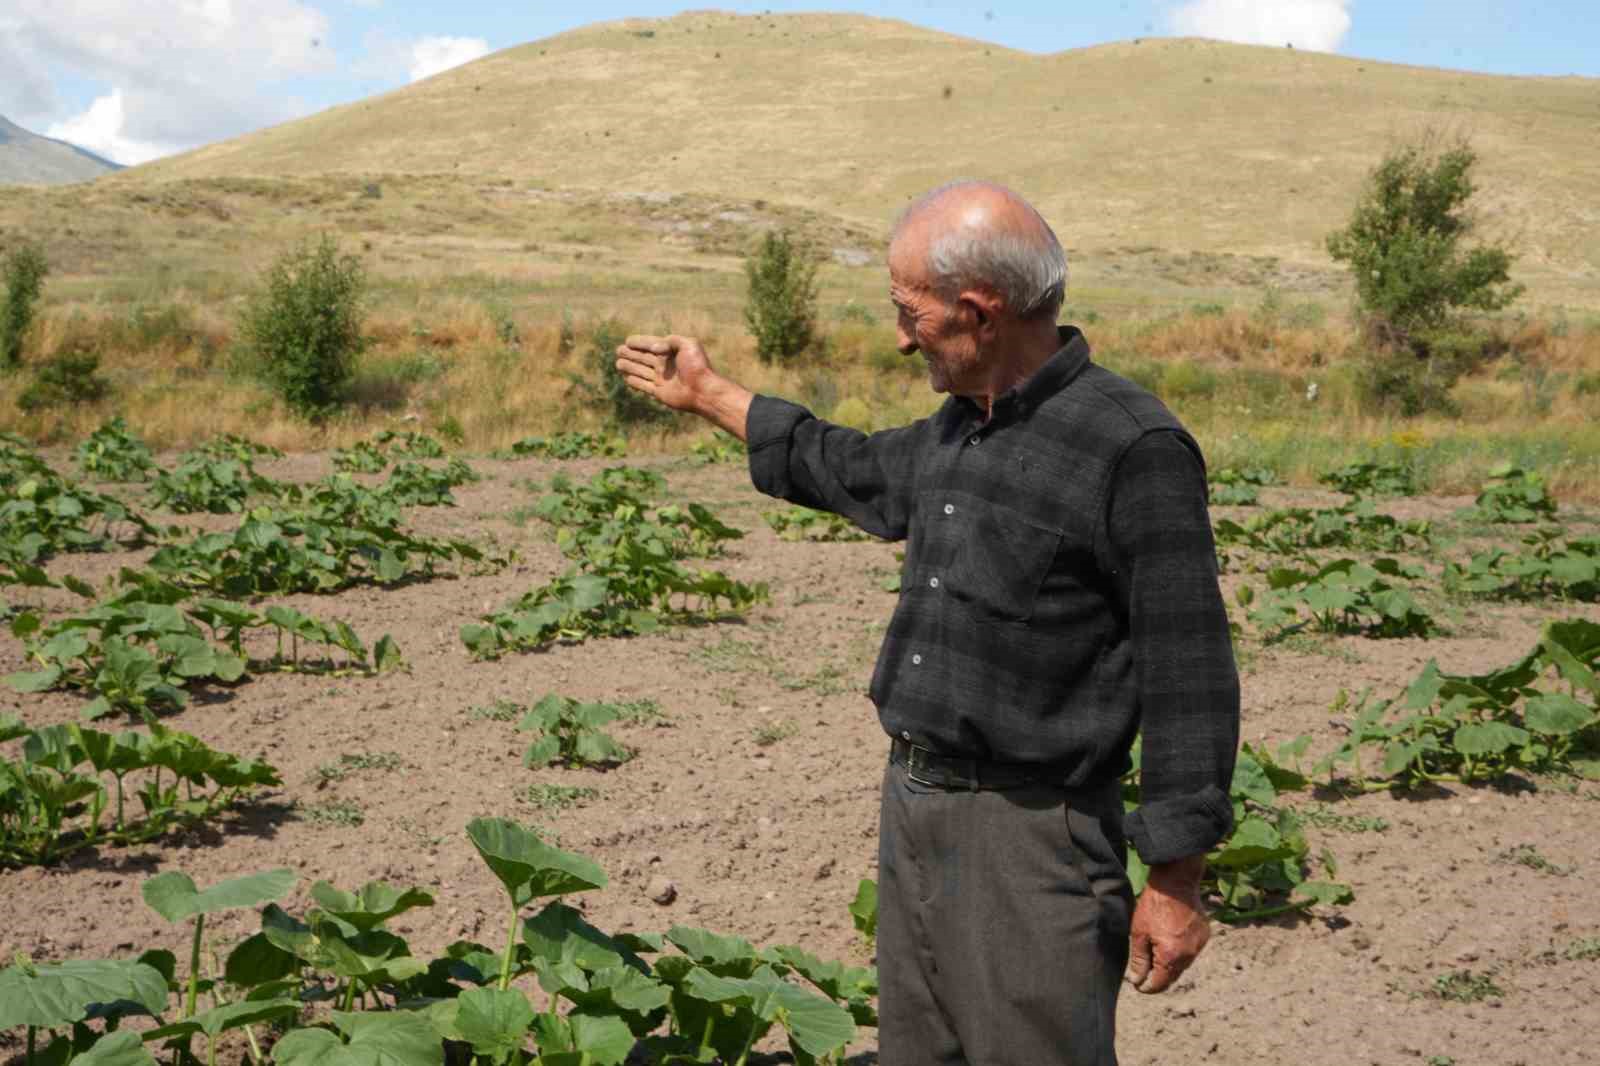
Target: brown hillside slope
[[1166, 142]]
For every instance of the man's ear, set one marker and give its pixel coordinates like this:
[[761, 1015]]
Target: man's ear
[[985, 306]]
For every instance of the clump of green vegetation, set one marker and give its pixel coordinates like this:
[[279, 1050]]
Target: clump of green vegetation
[[1464, 986], [781, 308], [568, 732], [335, 814], [1322, 816], [1514, 495], [1370, 478], [1230, 487], [770, 733], [115, 453], [302, 328], [353, 762], [23, 269], [1528, 855], [803, 523], [68, 379], [498, 711], [1414, 277], [547, 797]]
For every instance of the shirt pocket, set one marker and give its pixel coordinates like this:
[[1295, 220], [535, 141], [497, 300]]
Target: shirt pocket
[[1001, 564]]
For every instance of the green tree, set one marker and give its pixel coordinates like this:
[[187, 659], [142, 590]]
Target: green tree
[[302, 327], [1404, 245], [781, 308], [24, 269]]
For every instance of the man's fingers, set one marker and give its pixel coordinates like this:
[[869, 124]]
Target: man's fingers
[[1138, 959], [646, 342], [1166, 966]]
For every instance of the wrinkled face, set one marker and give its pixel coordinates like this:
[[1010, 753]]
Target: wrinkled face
[[924, 322]]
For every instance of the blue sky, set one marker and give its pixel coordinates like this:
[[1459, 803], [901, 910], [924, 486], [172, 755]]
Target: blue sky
[[137, 79]]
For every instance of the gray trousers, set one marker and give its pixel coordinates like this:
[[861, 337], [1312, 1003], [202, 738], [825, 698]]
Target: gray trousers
[[1002, 925]]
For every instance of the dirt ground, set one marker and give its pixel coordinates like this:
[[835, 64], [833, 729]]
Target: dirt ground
[[769, 841]]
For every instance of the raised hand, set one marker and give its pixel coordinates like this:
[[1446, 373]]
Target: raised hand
[[675, 371]]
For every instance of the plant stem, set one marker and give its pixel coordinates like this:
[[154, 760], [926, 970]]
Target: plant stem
[[255, 1048], [33, 1035], [511, 947], [349, 996], [194, 966]]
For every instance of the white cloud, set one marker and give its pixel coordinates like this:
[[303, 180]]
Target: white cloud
[[1319, 25], [434, 55], [103, 130], [171, 74]]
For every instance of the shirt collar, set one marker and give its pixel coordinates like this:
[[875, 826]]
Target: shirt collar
[[1056, 374]]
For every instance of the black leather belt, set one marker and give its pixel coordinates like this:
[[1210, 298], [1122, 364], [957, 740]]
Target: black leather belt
[[926, 768]]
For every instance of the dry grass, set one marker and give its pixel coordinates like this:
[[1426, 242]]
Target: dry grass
[[1182, 145]]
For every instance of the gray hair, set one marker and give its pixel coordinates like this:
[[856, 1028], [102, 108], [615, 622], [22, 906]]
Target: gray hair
[[1026, 266]]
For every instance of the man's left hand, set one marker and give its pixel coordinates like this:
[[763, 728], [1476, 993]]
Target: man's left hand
[[1169, 925]]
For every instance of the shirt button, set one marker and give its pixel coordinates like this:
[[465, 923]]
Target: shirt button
[[933, 582], [905, 734], [949, 508], [973, 439], [916, 660]]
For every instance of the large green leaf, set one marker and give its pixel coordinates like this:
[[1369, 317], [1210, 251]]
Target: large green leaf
[[121, 1048], [1488, 738], [370, 907], [52, 995], [386, 1038], [173, 895], [494, 1021], [1556, 714], [864, 908], [558, 933], [723, 955], [228, 1016], [527, 866], [257, 960]]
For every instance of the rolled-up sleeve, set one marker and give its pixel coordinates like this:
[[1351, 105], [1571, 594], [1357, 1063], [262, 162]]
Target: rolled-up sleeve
[[867, 478], [1188, 683]]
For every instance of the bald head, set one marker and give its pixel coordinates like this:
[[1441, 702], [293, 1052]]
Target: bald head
[[978, 234]]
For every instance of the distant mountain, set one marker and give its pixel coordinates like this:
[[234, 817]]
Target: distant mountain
[[1169, 143], [29, 159]]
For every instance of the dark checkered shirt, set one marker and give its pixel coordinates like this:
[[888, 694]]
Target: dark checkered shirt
[[1059, 593]]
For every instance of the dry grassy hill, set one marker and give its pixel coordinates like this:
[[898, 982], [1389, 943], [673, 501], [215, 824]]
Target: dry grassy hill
[[29, 159], [1175, 144]]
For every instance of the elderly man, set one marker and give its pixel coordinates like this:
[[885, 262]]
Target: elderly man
[[1059, 596]]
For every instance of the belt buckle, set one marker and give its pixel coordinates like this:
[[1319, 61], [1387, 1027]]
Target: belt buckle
[[917, 766]]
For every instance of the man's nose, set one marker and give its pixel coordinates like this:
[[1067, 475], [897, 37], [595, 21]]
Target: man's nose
[[904, 341]]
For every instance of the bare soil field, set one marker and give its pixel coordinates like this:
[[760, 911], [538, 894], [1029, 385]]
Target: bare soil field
[[754, 794]]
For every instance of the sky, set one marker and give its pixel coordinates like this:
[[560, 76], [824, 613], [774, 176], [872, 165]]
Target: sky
[[135, 80]]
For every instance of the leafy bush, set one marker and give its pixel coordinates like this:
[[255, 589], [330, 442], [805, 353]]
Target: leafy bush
[[114, 453], [1404, 243], [65, 380], [1262, 869], [626, 579], [1238, 488], [1466, 728], [702, 997], [1345, 596], [721, 448], [53, 798], [24, 269], [1414, 278], [1294, 531], [570, 733], [44, 514], [1515, 496], [201, 484], [569, 445], [802, 523], [139, 650], [781, 306], [302, 328], [1554, 567], [413, 484], [371, 456], [1370, 478]]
